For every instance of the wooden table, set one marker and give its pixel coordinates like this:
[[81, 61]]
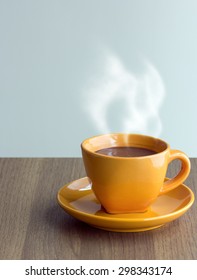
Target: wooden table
[[33, 226]]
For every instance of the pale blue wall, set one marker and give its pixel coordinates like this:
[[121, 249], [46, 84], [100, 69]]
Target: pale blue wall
[[50, 49]]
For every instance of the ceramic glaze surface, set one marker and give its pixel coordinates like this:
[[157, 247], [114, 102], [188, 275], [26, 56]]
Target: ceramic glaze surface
[[78, 199]]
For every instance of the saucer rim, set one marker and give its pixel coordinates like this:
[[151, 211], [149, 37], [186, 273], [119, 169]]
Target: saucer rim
[[112, 217]]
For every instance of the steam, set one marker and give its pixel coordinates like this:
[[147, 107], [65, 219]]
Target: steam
[[132, 100]]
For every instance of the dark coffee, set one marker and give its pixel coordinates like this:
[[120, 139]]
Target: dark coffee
[[126, 152]]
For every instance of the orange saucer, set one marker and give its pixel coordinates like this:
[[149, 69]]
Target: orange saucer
[[77, 199]]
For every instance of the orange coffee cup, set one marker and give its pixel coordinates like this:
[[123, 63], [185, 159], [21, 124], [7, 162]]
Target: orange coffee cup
[[130, 184]]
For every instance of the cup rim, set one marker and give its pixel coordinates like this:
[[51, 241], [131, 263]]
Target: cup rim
[[83, 146]]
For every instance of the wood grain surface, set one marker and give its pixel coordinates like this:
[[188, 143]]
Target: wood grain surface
[[33, 226]]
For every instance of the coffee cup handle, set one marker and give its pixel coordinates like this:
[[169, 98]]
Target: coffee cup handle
[[181, 176]]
